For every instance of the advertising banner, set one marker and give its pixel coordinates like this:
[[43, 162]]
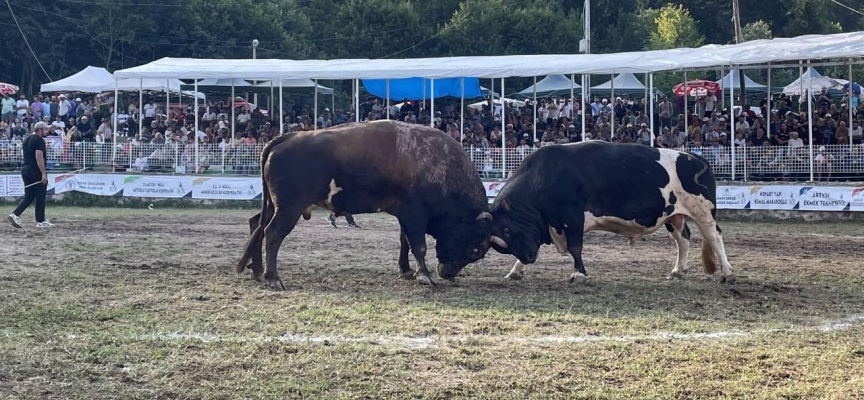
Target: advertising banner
[[824, 198], [774, 197], [157, 186], [226, 188], [856, 199], [733, 197]]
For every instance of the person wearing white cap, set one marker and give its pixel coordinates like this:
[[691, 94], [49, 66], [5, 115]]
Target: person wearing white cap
[[33, 173]]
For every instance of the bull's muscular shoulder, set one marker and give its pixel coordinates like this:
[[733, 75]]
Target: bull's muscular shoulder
[[407, 153]]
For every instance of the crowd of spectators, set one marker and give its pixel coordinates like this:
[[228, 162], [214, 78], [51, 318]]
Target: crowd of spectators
[[167, 136]]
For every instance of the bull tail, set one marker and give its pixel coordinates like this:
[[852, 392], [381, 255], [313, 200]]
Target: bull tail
[[709, 257], [256, 239]]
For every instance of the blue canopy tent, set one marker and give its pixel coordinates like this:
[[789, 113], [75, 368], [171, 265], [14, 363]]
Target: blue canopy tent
[[419, 88]]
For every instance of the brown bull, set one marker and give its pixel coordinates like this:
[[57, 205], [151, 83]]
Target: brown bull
[[415, 173]]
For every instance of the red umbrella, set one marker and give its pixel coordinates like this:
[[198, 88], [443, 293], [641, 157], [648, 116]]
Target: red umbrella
[[9, 89], [697, 87]]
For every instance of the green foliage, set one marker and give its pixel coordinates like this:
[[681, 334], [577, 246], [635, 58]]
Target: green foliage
[[67, 35], [673, 28], [756, 30]]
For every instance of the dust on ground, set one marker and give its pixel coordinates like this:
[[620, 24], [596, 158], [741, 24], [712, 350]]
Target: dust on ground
[[123, 303]]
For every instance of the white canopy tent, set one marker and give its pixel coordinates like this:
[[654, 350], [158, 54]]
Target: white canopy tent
[[735, 78], [814, 84], [297, 83], [809, 73], [479, 105], [809, 47], [552, 85], [88, 80]]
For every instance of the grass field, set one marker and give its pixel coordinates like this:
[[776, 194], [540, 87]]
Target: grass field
[[143, 304]]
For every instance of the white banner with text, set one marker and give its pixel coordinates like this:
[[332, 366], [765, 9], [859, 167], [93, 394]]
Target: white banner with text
[[768, 197]]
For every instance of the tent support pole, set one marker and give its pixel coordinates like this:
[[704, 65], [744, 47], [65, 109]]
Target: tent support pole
[[462, 112], [432, 102], [315, 100], [732, 119], [270, 109], [233, 113], [195, 136], [810, 122], [167, 99], [387, 100], [503, 134], [722, 88], [582, 106], [281, 113], [686, 105], [115, 125], [535, 111], [849, 111], [572, 102], [645, 106], [357, 100], [611, 118], [767, 117], [651, 106], [141, 108]]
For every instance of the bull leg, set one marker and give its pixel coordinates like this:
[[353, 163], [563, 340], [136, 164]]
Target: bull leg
[[257, 262], [678, 229], [712, 244], [404, 268], [518, 271], [282, 223], [415, 234], [573, 229]]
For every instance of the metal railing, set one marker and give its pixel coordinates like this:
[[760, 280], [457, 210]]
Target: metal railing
[[763, 163]]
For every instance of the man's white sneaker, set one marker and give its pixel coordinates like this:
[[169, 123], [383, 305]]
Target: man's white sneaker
[[14, 220], [44, 224]]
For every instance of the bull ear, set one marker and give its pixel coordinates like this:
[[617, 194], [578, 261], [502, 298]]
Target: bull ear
[[498, 241], [484, 215], [505, 204]]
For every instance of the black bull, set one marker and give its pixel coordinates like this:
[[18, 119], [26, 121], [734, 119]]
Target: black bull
[[415, 173], [560, 192]]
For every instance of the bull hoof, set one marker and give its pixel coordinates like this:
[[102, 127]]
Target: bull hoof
[[675, 275], [515, 276], [425, 280], [408, 274], [275, 284], [257, 277], [578, 277], [729, 280]]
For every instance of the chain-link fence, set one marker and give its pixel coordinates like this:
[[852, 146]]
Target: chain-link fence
[[763, 163]]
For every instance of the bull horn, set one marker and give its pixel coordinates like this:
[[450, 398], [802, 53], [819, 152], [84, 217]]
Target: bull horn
[[498, 241], [484, 215]]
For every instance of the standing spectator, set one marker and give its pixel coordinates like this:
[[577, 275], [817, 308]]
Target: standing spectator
[[63, 108], [710, 104], [149, 112], [37, 108], [22, 107], [8, 108], [665, 111]]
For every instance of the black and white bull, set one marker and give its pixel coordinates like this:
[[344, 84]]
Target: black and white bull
[[416, 173], [561, 192]]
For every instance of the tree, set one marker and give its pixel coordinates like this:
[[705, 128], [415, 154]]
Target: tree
[[756, 30], [674, 28]]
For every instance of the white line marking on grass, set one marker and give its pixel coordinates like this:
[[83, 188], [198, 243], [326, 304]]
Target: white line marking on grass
[[456, 340], [837, 236]]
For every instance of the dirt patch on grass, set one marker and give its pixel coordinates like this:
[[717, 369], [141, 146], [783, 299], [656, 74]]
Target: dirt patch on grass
[[144, 304]]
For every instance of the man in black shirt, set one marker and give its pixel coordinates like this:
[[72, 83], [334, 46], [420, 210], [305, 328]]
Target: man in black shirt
[[33, 171]]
